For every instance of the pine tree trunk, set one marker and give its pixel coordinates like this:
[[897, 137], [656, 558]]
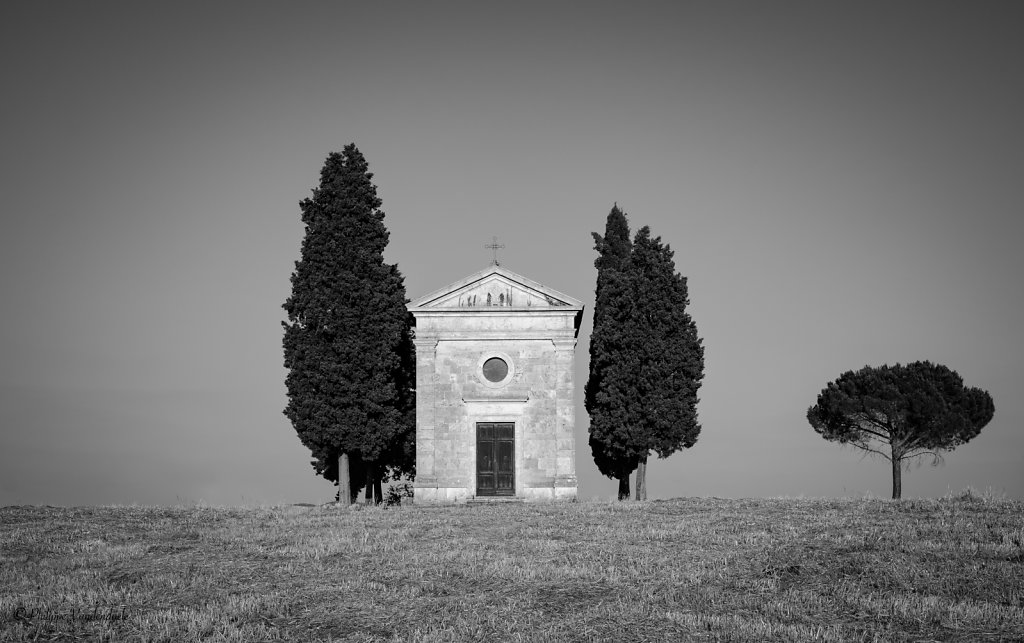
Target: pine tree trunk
[[378, 492], [368, 497], [897, 477], [344, 481], [641, 479], [624, 487]]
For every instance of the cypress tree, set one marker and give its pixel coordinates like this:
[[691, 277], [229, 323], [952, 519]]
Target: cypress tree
[[347, 342], [608, 388], [667, 356]]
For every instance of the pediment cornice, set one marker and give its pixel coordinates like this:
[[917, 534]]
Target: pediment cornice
[[495, 289]]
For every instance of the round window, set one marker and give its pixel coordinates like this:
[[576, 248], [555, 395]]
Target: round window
[[495, 369]]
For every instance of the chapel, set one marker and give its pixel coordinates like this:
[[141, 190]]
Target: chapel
[[495, 411]]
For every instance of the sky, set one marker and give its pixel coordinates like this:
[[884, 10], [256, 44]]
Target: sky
[[842, 184]]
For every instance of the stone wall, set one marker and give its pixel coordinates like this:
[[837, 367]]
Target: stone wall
[[453, 395]]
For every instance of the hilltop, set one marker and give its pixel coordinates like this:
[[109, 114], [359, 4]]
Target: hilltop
[[685, 569]]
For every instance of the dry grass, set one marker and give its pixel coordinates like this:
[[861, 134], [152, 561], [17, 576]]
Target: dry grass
[[694, 569]]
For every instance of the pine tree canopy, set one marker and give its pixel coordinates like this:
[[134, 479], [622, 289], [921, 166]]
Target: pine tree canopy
[[901, 412], [346, 341]]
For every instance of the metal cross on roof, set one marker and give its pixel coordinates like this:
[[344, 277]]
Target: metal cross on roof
[[494, 245]]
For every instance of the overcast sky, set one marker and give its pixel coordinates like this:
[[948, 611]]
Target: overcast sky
[[843, 185]]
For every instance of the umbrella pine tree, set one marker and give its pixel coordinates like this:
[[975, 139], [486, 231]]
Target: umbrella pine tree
[[901, 413]]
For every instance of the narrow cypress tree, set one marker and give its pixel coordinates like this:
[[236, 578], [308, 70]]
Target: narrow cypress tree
[[668, 356], [608, 387], [347, 335]]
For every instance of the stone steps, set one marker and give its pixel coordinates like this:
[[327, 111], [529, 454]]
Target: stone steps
[[494, 500]]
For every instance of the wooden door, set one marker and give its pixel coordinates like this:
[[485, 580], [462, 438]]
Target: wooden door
[[495, 459]]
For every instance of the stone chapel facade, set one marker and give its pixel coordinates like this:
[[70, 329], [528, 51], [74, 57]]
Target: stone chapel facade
[[495, 409]]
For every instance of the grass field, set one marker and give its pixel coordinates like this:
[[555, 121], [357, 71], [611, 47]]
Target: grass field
[[690, 569]]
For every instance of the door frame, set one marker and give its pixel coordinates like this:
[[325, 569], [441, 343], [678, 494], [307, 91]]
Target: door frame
[[476, 453]]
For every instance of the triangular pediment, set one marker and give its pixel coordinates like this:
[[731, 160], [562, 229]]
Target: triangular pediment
[[496, 287]]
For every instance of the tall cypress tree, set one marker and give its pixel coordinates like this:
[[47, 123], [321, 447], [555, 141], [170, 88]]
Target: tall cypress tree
[[668, 355], [609, 387], [346, 341]]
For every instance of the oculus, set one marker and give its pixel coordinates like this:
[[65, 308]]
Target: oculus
[[495, 369]]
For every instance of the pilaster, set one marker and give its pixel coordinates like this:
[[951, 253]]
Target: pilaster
[[426, 359], [565, 423]]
